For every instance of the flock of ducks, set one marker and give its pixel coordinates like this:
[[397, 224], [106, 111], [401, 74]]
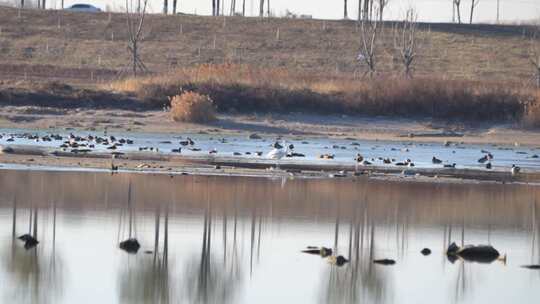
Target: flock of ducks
[[279, 149]]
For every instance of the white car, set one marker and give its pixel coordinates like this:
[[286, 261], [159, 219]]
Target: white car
[[88, 8]]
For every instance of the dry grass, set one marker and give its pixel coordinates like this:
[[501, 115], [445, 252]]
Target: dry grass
[[242, 88], [192, 107], [532, 116], [95, 44]]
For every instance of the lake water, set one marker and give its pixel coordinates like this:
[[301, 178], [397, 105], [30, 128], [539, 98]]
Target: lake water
[[344, 150], [239, 240]]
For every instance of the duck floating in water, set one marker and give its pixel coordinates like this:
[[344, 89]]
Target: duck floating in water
[[436, 160], [29, 241], [337, 260], [480, 254], [322, 251], [130, 245], [535, 267], [426, 251], [385, 262], [515, 170], [486, 158]]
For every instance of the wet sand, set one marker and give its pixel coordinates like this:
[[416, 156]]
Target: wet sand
[[331, 126], [29, 157]]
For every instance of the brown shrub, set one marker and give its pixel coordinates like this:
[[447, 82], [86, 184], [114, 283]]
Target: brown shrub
[[243, 88], [532, 117], [192, 107]]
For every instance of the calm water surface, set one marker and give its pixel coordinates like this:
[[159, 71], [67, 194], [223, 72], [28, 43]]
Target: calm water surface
[[239, 240]]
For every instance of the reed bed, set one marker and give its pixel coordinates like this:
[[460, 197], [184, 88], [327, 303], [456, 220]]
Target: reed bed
[[243, 88]]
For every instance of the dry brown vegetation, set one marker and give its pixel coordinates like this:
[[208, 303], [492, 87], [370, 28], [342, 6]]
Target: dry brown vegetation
[[192, 107], [62, 42], [471, 72], [242, 88]]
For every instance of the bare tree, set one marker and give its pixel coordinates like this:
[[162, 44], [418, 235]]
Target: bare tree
[[213, 7], [165, 6], [369, 33], [268, 8], [218, 4], [534, 56], [345, 12], [359, 10], [457, 7], [174, 7], [382, 5], [233, 7], [244, 8], [135, 25], [406, 41], [474, 3], [261, 9]]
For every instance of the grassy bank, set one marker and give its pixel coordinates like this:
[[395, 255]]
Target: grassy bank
[[81, 48], [242, 88]]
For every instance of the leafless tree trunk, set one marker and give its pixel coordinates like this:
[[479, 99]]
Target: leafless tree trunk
[[22, 3], [534, 57], [213, 7], [62, 4], [359, 10], [244, 8], [268, 8], [369, 33], [457, 5], [165, 6], [135, 25], [261, 9], [43, 2], [345, 13], [218, 4], [382, 6], [233, 7], [474, 3], [174, 7], [367, 4], [406, 42]]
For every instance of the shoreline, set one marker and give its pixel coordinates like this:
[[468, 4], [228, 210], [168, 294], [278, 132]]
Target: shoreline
[[271, 125], [143, 162]]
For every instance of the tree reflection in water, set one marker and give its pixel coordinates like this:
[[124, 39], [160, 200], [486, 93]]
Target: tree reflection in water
[[360, 280], [36, 274], [146, 278]]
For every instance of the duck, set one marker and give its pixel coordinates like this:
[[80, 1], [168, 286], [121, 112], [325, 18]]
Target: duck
[[387, 161], [326, 156], [179, 150], [337, 260], [488, 166], [515, 170], [131, 245], [385, 262], [425, 251], [359, 158], [450, 165], [435, 160], [29, 241], [322, 251]]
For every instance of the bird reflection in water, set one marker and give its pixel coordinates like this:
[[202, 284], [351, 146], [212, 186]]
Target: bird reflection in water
[[35, 273]]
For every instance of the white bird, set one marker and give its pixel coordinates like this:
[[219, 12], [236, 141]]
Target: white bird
[[277, 153], [515, 170]]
